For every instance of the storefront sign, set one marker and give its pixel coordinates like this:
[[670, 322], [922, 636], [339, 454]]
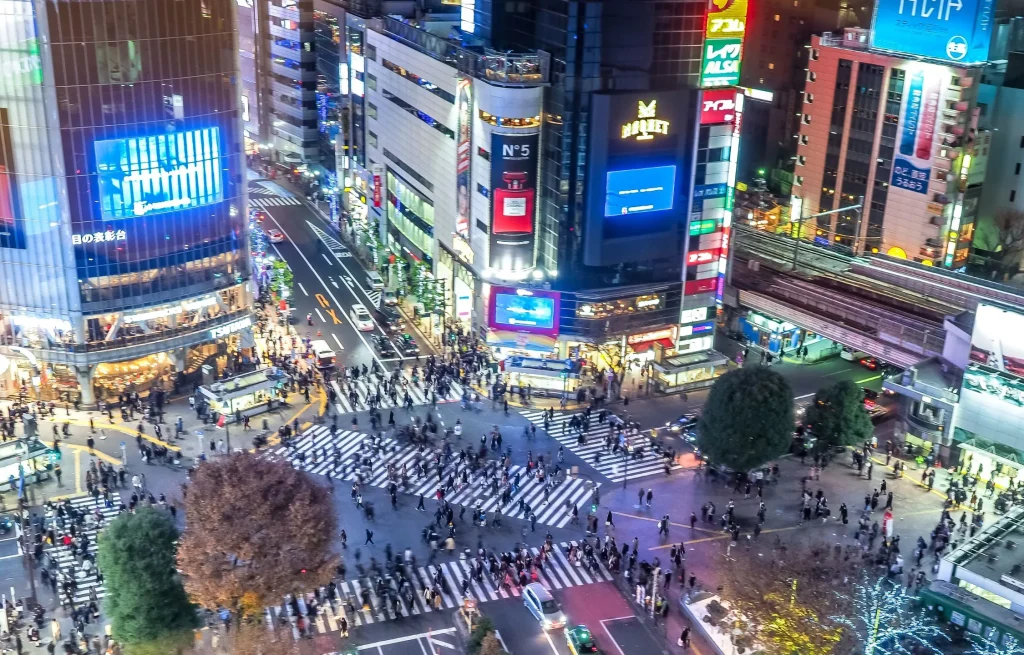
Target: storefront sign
[[700, 286], [99, 237], [702, 256], [648, 302], [691, 330], [378, 174], [644, 337], [693, 315], [170, 310], [710, 191], [717, 106], [646, 124], [222, 331], [723, 42], [622, 306]]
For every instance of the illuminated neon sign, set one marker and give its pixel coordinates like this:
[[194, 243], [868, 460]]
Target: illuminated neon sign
[[647, 124], [161, 173], [723, 42]]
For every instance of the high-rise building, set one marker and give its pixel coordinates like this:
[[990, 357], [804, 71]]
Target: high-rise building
[[897, 133], [124, 246], [293, 80], [554, 167]]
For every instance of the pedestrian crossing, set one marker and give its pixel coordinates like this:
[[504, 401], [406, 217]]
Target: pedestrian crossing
[[273, 201], [355, 395], [70, 567], [346, 599], [613, 466], [374, 296], [345, 456]]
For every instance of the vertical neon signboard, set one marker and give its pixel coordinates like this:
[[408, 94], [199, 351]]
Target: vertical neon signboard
[[463, 159], [723, 42]]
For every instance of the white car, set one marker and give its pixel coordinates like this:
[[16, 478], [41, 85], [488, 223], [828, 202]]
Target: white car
[[361, 318], [275, 236]]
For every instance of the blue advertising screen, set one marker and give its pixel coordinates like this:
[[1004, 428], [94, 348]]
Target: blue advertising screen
[[639, 190], [957, 31], [531, 311], [146, 175]]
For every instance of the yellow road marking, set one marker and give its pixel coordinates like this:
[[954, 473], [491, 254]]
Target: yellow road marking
[[110, 459], [126, 430]]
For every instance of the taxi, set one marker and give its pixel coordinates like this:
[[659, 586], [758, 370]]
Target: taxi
[[580, 640]]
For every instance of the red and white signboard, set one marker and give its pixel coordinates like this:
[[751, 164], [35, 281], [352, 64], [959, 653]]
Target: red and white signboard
[[702, 256], [378, 173], [718, 106]]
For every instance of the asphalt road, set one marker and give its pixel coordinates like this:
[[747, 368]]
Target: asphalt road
[[325, 287]]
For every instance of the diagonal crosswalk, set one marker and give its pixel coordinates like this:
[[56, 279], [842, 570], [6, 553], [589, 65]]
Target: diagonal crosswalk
[[321, 613], [352, 455], [356, 395], [612, 466], [69, 565], [273, 201]]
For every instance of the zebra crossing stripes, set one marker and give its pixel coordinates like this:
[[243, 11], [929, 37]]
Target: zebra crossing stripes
[[273, 201], [612, 466], [374, 296], [557, 573], [66, 562], [317, 452], [364, 388]]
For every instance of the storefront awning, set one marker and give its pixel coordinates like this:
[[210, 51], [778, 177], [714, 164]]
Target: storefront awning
[[644, 346], [520, 341]]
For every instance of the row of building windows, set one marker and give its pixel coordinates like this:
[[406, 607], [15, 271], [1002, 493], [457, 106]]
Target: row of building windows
[[499, 121], [418, 81], [422, 115], [408, 169]]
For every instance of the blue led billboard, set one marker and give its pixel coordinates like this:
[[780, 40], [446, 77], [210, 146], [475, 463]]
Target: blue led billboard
[[956, 31], [524, 311], [139, 176], [640, 190]]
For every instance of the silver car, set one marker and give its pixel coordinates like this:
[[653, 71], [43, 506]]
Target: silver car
[[543, 606]]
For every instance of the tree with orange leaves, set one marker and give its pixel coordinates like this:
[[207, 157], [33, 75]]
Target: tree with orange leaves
[[256, 530]]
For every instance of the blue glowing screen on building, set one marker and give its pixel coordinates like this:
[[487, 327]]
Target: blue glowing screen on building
[[639, 190], [516, 311], [146, 175]]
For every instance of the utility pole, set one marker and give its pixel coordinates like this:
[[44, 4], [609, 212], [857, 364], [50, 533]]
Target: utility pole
[[801, 219]]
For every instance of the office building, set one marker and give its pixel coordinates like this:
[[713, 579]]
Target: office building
[[124, 246], [552, 166], [896, 133]]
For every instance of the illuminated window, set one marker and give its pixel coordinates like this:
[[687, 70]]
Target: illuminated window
[[798, 180], [771, 66], [532, 121], [804, 139], [777, 18]]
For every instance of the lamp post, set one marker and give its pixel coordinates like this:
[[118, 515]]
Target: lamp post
[[801, 219]]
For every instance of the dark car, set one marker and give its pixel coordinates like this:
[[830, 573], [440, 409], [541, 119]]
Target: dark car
[[407, 346], [684, 422], [869, 363], [383, 345], [389, 320]]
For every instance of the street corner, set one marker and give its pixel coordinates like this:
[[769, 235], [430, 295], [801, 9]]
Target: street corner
[[442, 641], [626, 634]]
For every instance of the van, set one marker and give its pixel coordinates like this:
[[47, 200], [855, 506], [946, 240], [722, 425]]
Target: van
[[374, 282], [323, 353]]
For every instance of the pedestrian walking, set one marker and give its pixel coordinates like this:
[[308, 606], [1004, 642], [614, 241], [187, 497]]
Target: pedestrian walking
[[369, 538], [684, 638], [650, 497]]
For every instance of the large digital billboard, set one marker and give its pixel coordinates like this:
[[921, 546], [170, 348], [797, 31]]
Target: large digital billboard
[[992, 396], [12, 225], [513, 200], [463, 159], [723, 42], [919, 117], [524, 310], [139, 176], [640, 190], [957, 31]]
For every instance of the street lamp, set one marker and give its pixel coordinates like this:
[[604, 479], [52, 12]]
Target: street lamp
[[799, 223]]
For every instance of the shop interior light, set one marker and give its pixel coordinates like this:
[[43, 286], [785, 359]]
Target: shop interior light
[[538, 274]]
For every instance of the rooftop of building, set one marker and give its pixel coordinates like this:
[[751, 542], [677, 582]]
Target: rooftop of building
[[859, 39], [996, 552], [440, 37], [940, 374]]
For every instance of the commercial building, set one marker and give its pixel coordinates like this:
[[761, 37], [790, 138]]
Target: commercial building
[[124, 245], [897, 134], [567, 209]]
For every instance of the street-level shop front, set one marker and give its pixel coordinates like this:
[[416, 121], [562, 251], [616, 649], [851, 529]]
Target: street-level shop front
[[541, 377], [776, 336], [248, 394], [688, 371]]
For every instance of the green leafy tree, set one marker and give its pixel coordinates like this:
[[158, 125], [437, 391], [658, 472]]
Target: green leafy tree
[[281, 278], [145, 601], [748, 418], [837, 416]]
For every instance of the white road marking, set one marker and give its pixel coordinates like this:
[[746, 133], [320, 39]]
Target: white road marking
[[329, 262], [338, 340], [334, 283], [398, 640], [372, 352], [615, 643], [322, 319], [303, 289], [547, 635]]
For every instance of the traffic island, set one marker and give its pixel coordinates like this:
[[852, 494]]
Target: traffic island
[[476, 631], [725, 630]]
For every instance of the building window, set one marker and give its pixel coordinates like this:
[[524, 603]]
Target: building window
[[815, 54], [777, 18], [804, 140], [409, 169], [806, 119], [371, 139], [771, 66], [483, 153], [1013, 195], [812, 76], [482, 190], [423, 116], [1022, 142], [480, 225], [371, 81], [801, 160], [798, 180], [809, 98], [419, 81], [498, 121], [371, 52], [371, 110], [1016, 169]]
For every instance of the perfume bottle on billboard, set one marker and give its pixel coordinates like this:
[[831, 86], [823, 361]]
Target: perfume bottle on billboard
[[512, 225]]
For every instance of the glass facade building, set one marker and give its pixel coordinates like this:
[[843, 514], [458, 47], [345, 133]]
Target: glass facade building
[[122, 191]]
